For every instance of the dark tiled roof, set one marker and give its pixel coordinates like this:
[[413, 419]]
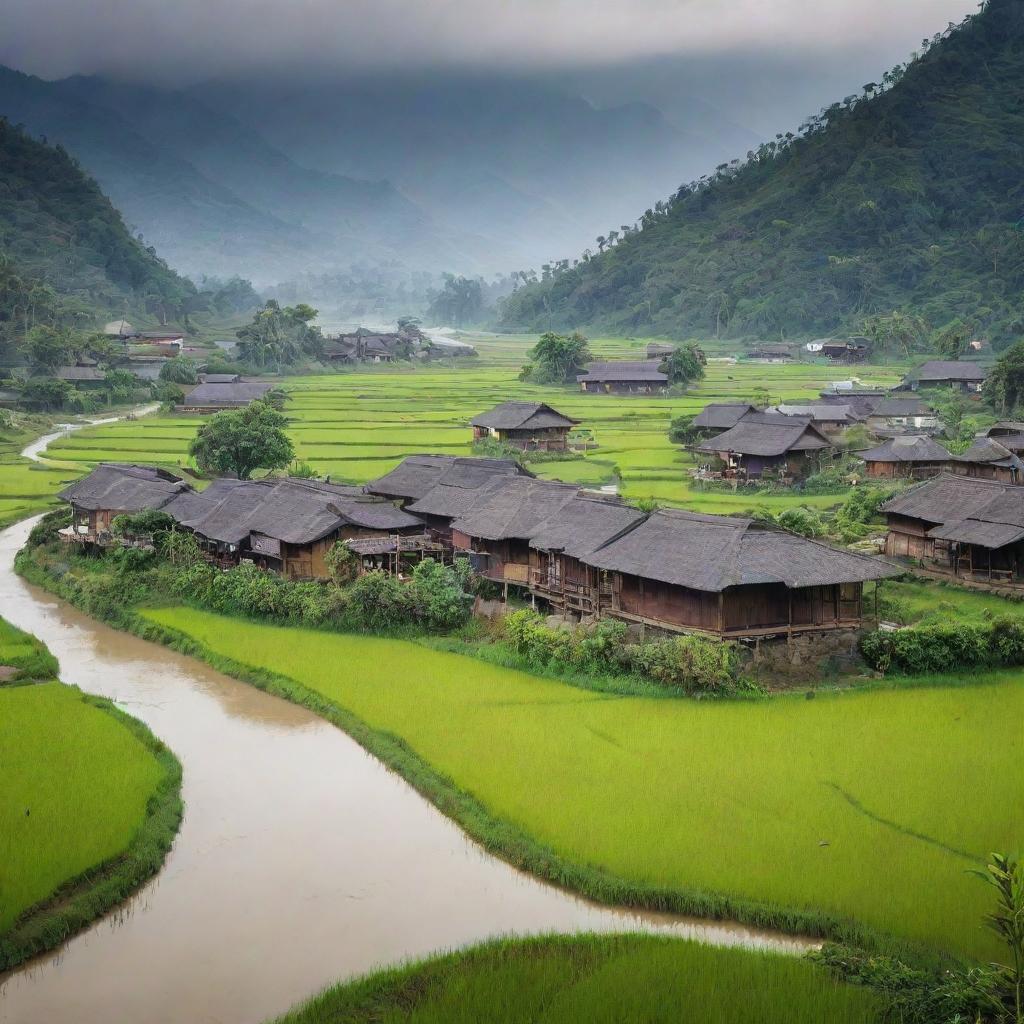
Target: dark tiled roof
[[416, 476], [122, 487], [514, 508], [722, 415], [943, 369], [522, 416], [644, 370], [989, 450], [1005, 427], [79, 373], [946, 497], [584, 524], [768, 434], [901, 407], [289, 510], [907, 448], [712, 553], [219, 378], [822, 412], [239, 393]]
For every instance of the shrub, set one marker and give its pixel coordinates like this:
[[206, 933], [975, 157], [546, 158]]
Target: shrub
[[141, 524], [379, 601], [47, 528], [439, 600], [691, 662], [802, 521], [941, 648]]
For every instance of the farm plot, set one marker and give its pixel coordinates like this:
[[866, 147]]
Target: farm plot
[[866, 805]]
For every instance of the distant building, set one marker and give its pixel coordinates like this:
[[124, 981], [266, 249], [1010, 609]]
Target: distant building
[[532, 426], [828, 417], [767, 443], [846, 350], [905, 415], [989, 459], [216, 397], [81, 376], [909, 455], [770, 354], [623, 377], [943, 373], [717, 417], [659, 350]]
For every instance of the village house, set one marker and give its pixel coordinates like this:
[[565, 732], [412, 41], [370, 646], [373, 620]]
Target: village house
[[216, 396], [770, 354], [659, 350], [863, 401], [717, 417], [440, 488], [532, 426], [845, 350], [219, 378], [114, 489], [624, 377], [960, 525], [82, 376], [902, 415], [942, 373], [1009, 433], [731, 577], [988, 459], [768, 444], [910, 455], [831, 418]]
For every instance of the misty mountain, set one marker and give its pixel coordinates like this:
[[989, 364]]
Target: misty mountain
[[905, 197], [538, 171]]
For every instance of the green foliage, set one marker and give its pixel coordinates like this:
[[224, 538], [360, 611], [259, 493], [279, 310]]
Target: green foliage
[[846, 219], [240, 441], [897, 332], [46, 393], [945, 647], [556, 358], [146, 523], [439, 597], [804, 522], [459, 302], [280, 335], [46, 348], [180, 370], [378, 601], [951, 341], [1004, 385], [685, 365], [26, 654], [689, 663], [1005, 875], [342, 562]]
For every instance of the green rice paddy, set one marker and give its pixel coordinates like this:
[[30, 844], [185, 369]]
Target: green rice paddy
[[357, 426], [74, 785], [868, 805], [595, 980]]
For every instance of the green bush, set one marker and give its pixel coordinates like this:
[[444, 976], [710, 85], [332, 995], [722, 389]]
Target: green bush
[[930, 649], [439, 597], [378, 601]]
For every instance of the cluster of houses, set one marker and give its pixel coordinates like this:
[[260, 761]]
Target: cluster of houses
[[408, 342], [579, 553]]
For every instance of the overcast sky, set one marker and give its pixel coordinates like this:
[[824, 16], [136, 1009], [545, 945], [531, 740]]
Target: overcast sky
[[187, 40]]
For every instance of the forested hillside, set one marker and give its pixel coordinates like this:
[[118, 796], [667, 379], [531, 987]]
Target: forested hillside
[[65, 253], [908, 197]]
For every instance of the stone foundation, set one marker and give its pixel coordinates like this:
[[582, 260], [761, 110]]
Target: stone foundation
[[806, 656]]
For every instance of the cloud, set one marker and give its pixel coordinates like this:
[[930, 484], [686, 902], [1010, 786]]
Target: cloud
[[191, 39]]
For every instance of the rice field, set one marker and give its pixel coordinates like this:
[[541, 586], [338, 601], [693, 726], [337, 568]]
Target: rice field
[[74, 785], [357, 426], [595, 980], [868, 805]]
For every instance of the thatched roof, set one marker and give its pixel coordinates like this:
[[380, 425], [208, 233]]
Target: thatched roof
[[946, 497], [990, 451], [239, 393], [639, 370], [514, 508], [907, 448], [80, 373], [768, 434], [219, 378], [289, 510], [821, 412], [711, 553], [901, 407], [722, 415], [122, 487], [451, 478], [584, 524], [948, 369], [522, 416], [992, 517]]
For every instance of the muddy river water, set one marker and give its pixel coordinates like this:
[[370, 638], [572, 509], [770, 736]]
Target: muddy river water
[[301, 860]]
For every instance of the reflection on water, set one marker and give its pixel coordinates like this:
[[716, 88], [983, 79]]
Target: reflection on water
[[301, 860]]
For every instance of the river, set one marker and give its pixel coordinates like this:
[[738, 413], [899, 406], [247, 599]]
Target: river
[[301, 860]]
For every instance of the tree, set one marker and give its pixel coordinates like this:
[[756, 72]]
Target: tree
[[280, 335], [46, 392], [1004, 386], [240, 441], [557, 358], [47, 348], [460, 301], [1006, 877], [119, 385], [903, 332], [180, 370], [951, 341], [685, 364]]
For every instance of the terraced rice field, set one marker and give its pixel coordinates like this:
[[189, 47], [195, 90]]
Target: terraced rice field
[[356, 426], [871, 805]]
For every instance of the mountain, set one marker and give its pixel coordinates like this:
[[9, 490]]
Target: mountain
[[909, 197], [208, 192], [532, 168], [58, 229]]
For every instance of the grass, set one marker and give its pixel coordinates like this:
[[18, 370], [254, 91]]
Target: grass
[[920, 603], [359, 425], [89, 805], [865, 807], [590, 980]]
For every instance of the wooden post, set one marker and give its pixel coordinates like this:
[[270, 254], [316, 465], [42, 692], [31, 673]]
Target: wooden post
[[721, 613]]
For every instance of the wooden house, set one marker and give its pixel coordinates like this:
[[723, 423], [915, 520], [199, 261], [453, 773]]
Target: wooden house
[[717, 417], [624, 377], [989, 459], [909, 455], [861, 400], [660, 350], [767, 443], [831, 418], [730, 577], [287, 525], [85, 377], [114, 489], [217, 396], [1009, 433], [532, 426], [946, 373], [845, 350], [962, 526], [770, 354], [440, 488], [902, 415]]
